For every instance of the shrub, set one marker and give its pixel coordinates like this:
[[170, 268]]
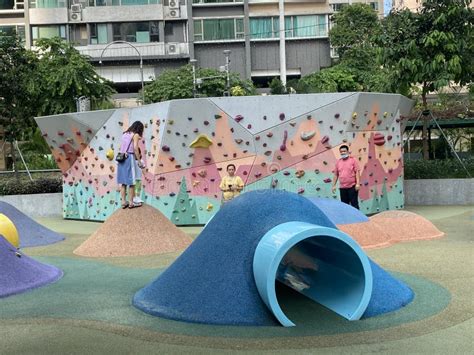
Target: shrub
[[25, 187], [438, 169]]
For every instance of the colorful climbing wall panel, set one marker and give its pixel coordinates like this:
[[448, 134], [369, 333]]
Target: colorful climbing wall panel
[[285, 142]]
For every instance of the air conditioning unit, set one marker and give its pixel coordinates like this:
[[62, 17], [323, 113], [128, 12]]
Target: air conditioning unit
[[76, 8], [172, 48], [173, 4], [75, 16], [174, 13]]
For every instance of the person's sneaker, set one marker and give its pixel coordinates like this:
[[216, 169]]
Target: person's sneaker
[[137, 200]]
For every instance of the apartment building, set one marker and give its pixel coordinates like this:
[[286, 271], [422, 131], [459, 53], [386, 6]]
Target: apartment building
[[165, 34]]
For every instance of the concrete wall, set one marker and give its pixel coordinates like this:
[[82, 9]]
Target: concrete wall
[[212, 56], [439, 192], [309, 55], [37, 205]]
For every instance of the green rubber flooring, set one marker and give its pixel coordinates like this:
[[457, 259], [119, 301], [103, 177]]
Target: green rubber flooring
[[89, 310]]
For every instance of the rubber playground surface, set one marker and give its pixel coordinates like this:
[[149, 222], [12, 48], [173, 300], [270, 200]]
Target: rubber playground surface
[[89, 310]]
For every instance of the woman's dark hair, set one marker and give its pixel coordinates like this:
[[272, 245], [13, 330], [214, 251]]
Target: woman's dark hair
[[136, 127], [228, 166], [344, 147]]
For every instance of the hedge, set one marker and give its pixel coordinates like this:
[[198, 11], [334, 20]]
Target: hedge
[[438, 169], [24, 187]]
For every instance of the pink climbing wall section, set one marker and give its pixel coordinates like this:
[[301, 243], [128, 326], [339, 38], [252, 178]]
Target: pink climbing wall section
[[285, 142]]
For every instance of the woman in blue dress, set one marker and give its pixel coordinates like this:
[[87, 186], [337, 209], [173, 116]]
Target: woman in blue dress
[[127, 170]]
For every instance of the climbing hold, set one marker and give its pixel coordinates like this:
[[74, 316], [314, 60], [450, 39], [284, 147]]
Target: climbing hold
[[202, 141], [269, 134], [238, 140], [354, 115], [249, 126], [274, 183], [301, 190], [306, 136], [165, 148], [207, 160], [110, 154], [282, 116], [336, 116], [327, 180], [202, 173], [268, 153], [206, 123], [209, 207], [217, 116], [238, 118], [379, 139], [325, 139], [299, 173]]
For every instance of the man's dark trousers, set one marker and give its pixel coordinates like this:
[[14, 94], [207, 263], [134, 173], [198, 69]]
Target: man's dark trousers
[[350, 196]]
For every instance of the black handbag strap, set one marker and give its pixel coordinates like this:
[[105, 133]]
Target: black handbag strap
[[131, 140]]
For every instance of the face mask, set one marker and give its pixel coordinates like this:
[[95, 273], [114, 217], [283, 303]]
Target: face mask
[[344, 156]]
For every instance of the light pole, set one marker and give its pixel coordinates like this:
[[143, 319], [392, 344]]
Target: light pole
[[227, 62], [139, 55], [193, 63]]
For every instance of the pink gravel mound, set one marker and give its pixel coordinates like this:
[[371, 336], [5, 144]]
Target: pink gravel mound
[[389, 227], [405, 226], [134, 232], [367, 234]]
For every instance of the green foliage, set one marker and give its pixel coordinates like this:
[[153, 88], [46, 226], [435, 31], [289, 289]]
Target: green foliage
[[438, 169], [277, 87], [17, 94], [178, 84], [335, 79], [23, 187], [353, 32], [66, 75], [430, 48]]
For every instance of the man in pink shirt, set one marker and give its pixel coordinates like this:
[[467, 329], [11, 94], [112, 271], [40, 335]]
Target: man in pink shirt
[[347, 172]]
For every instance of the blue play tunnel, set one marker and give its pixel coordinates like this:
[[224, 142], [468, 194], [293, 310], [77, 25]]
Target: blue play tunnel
[[227, 275]]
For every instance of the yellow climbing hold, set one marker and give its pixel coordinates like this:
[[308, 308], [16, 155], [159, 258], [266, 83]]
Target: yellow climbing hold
[[209, 207], [8, 230], [110, 154], [354, 115], [202, 141]]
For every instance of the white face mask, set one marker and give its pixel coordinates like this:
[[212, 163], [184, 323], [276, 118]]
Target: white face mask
[[345, 156]]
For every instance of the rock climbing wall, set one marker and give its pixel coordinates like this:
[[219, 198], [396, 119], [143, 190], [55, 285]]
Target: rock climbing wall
[[281, 142]]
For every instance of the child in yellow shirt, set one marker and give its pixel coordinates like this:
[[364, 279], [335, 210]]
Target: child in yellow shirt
[[231, 185]]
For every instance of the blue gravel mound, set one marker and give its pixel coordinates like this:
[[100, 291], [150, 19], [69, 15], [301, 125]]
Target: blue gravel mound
[[31, 233], [19, 273], [388, 293], [339, 212], [212, 281]]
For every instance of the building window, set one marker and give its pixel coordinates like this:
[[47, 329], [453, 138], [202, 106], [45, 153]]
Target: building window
[[338, 7], [38, 32], [12, 29], [305, 26], [295, 26], [218, 29], [122, 2], [98, 33], [141, 32], [47, 4], [264, 27], [7, 4], [375, 6]]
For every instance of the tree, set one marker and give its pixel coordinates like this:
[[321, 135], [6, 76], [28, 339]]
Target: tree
[[353, 33], [178, 84], [277, 87], [65, 76], [432, 48], [17, 95], [335, 79]]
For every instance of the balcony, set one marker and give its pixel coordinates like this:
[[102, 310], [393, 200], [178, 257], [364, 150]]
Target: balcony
[[157, 50]]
